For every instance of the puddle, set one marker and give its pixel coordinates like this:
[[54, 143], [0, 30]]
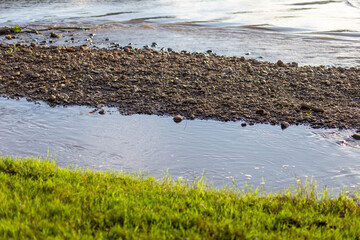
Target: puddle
[[224, 150]]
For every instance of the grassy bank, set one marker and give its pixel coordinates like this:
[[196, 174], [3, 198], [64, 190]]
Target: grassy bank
[[38, 200]]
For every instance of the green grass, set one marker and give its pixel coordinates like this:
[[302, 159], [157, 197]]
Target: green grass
[[38, 200]]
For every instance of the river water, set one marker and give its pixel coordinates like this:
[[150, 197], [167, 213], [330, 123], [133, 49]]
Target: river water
[[308, 32], [318, 32], [226, 151]]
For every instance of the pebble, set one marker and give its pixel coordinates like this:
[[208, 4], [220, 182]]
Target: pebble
[[280, 63], [309, 107], [178, 118], [54, 35], [356, 136], [261, 112], [243, 124], [284, 125], [102, 111]]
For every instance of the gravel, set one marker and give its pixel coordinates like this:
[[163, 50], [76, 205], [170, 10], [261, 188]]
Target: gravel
[[203, 86]]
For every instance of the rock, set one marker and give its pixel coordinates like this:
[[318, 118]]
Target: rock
[[178, 118], [54, 35], [261, 112], [356, 136], [284, 125], [312, 108], [32, 45], [243, 124], [9, 37], [294, 64], [102, 112], [280, 63]]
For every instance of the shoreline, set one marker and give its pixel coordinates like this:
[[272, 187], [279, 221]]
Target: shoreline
[[202, 86]]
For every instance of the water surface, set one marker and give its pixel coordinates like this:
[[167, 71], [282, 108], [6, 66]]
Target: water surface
[[319, 32], [310, 32], [224, 150]]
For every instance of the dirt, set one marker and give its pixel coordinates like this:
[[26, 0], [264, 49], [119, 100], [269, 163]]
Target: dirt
[[203, 86]]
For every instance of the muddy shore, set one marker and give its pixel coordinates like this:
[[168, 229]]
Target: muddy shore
[[203, 86]]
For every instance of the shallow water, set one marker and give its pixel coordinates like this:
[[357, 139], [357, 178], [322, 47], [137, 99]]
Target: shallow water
[[224, 150], [310, 32]]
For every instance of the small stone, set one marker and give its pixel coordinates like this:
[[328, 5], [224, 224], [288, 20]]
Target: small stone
[[9, 36], [243, 124], [54, 35], [52, 98], [261, 112], [284, 125], [32, 44], [356, 136], [313, 108], [280, 63], [102, 112], [178, 118], [294, 64]]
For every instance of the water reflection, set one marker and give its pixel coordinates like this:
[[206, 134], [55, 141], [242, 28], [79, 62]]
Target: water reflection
[[294, 14], [308, 32], [225, 151]]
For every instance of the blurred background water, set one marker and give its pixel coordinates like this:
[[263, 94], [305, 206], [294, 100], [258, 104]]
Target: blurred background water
[[322, 32]]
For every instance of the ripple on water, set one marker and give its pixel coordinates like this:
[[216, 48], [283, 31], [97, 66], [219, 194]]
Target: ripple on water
[[224, 150]]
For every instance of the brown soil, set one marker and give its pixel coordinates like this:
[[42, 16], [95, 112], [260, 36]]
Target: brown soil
[[193, 85]]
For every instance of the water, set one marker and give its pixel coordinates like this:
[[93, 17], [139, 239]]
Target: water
[[310, 32], [224, 150]]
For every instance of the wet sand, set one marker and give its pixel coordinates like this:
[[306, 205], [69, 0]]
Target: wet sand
[[203, 86]]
